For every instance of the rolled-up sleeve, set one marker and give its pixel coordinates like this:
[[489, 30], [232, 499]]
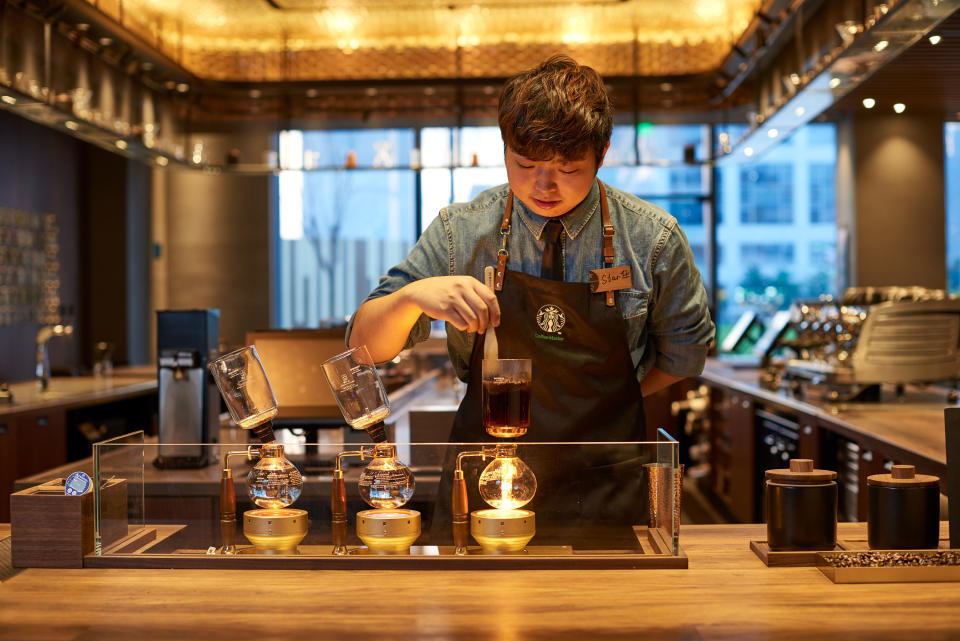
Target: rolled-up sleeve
[[431, 256], [680, 328]]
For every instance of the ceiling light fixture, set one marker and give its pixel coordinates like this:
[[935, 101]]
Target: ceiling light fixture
[[834, 82], [799, 111], [121, 144], [934, 40], [162, 161], [880, 46], [869, 103], [772, 132], [71, 125], [748, 151], [899, 107], [10, 100]]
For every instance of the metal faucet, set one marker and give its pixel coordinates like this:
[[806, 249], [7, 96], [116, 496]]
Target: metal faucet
[[44, 334]]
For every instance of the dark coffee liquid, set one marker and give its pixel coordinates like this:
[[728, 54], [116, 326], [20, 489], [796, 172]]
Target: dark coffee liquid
[[506, 407]]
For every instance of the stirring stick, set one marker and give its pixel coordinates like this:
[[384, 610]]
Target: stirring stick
[[490, 347]]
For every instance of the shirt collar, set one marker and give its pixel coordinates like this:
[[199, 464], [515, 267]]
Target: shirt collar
[[573, 221]]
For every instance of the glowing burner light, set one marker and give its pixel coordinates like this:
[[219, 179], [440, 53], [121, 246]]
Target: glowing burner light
[[506, 484], [386, 482]]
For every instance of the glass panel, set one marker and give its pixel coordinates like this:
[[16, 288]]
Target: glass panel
[[669, 143], [118, 489], [952, 170], [436, 191], [776, 226], [481, 144], [470, 181], [436, 146], [368, 147], [355, 226], [650, 182], [582, 498]]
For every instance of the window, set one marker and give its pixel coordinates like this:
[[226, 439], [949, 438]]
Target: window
[[776, 231], [952, 170], [766, 194], [822, 200], [340, 229]]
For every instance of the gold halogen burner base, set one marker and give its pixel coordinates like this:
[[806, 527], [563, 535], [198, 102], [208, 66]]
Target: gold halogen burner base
[[388, 531], [275, 530], [502, 531]]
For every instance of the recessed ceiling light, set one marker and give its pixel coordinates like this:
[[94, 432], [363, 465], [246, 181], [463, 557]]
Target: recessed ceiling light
[[880, 46], [834, 82], [869, 103], [71, 125], [183, 87], [772, 132], [899, 107], [10, 100], [105, 41], [934, 40], [121, 144], [370, 91], [162, 161], [748, 151], [255, 93], [799, 111], [312, 93], [666, 86]]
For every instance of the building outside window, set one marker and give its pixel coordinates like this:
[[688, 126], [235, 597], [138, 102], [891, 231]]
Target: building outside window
[[952, 170], [776, 226]]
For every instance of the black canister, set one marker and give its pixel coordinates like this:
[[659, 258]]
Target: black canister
[[801, 507], [904, 510]]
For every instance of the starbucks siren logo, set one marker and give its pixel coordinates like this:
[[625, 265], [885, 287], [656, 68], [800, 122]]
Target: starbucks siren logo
[[550, 318]]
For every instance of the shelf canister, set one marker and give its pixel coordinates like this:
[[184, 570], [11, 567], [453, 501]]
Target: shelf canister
[[904, 510], [801, 507]]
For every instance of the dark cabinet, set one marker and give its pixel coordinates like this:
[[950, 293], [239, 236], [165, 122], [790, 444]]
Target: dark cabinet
[[733, 453]]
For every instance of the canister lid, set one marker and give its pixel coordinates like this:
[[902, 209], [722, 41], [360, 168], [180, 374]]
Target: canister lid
[[801, 472], [903, 476]]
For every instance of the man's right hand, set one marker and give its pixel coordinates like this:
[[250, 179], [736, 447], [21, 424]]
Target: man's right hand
[[463, 301]]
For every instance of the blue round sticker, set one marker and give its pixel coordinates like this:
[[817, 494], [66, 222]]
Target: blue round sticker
[[77, 484]]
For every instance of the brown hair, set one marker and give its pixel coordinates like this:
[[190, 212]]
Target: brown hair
[[559, 108]]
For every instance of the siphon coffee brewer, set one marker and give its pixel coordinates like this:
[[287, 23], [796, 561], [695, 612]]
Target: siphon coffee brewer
[[801, 507], [904, 510]]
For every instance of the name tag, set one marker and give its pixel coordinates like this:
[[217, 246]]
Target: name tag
[[610, 279]]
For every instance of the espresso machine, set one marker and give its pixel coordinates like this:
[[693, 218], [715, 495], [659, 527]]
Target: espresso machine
[[189, 401]]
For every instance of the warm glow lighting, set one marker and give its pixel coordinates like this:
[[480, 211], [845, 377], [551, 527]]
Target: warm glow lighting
[[869, 103], [934, 40], [121, 144], [799, 111], [772, 133], [10, 100], [162, 161], [834, 82], [71, 125], [899, 107], [880, 46], [748, 151]]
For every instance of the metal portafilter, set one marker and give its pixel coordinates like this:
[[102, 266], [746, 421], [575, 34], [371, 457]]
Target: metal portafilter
[[356, 385]]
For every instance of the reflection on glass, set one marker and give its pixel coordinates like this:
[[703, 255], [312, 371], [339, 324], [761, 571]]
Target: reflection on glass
[[506, 396], [245, 388], [274, 482], [357, 387], [507, 482]]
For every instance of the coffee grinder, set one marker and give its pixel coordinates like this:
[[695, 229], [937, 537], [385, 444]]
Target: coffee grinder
[[189, 405]]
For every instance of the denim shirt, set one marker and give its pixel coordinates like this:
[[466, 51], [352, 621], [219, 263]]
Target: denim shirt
[[667, 320]]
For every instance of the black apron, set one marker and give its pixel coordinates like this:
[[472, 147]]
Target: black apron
[[584, 388]]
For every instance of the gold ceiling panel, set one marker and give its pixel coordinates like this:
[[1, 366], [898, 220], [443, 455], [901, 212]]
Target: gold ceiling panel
[[304, 40]]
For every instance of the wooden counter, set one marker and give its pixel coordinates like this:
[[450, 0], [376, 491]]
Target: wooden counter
[[726, 593], [854, 439], [69, 392]]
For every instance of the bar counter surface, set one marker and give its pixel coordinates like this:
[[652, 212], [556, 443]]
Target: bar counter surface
[[726, 593]]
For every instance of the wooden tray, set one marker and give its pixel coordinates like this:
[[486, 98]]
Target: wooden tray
[[892, 573], [653, 552], [809, 558]]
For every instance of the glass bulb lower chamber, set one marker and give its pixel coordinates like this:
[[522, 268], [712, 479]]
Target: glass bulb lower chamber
[[506, 484], [274, 483], [386, 484]]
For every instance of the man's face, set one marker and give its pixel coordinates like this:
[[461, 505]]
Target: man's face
[[551, 187]]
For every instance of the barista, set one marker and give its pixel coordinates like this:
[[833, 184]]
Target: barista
[[594, 356]]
